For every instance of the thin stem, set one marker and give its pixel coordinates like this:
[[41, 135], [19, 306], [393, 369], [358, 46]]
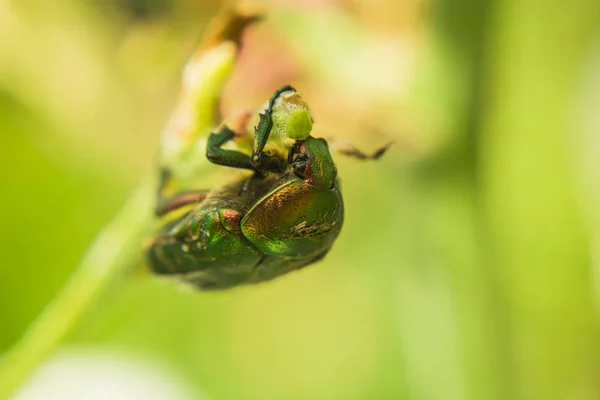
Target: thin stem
[[114, 252], [117, 247]]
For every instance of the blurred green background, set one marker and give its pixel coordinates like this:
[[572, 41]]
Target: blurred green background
[[468, 265]]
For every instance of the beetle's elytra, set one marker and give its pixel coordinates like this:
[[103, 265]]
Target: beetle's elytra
[[285, 214]]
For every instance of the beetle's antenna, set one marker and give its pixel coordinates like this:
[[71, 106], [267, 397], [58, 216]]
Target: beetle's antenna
[[348, 149]]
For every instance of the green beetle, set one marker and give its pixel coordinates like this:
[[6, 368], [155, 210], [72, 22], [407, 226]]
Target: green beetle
[[283, 216]]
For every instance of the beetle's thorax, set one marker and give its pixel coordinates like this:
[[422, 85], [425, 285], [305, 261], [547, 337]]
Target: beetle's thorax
[[317, 167]]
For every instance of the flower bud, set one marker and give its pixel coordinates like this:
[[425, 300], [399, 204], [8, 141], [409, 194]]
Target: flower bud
[[291, 118]]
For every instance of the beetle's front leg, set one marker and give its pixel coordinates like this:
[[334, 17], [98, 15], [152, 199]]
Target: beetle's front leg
[[236, 159], [348, 149], [229, 158], [263, 130]]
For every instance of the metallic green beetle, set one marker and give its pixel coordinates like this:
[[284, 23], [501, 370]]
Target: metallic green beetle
[[282, 217]]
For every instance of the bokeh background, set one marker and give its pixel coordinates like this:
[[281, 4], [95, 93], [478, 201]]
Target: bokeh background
[[468, 267]]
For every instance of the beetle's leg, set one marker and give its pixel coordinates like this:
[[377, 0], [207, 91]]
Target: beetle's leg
[[228, 158], [237, 159], [348, 149], [265, 124], [166, 205], [166, 202]]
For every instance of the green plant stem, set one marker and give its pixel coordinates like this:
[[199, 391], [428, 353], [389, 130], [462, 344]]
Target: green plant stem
[[114, 252], [117, 247]]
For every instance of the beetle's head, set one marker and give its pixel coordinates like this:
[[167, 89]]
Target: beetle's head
[[311, 161]]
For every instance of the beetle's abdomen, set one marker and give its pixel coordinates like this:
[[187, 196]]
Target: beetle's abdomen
[[199, 249], [295, 220]]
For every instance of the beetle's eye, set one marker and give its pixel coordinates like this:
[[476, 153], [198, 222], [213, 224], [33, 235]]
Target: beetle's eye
[[300, 165]]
